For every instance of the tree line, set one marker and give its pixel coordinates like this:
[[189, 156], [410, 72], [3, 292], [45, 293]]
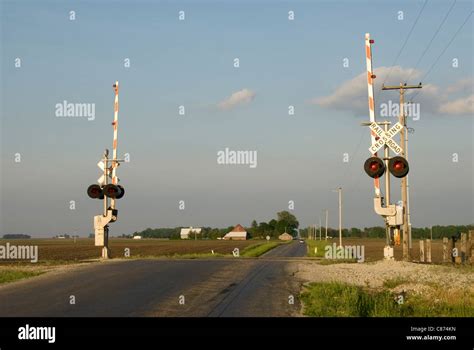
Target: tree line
[[284, 222], [438, 231], [16, 236]]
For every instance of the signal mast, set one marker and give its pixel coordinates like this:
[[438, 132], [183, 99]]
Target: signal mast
[[108, 192]]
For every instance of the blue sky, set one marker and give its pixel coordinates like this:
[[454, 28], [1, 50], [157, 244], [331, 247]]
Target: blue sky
[[190, 63]]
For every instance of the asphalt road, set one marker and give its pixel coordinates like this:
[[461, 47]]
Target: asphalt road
[[211, 287]]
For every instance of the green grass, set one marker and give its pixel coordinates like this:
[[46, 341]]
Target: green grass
[[320, 245], [343, 300], [252, 251], [10, 275], [394, 282], [256, 250]]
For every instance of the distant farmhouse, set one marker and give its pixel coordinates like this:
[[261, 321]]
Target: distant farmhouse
[[187, 232], [285, 237], [237, 234]]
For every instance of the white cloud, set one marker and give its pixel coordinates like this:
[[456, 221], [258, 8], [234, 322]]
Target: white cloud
[[351, 95], [463, 85], [463, 105], [237, 98]]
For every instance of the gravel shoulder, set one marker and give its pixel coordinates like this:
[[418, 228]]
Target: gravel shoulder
[[412, 276]]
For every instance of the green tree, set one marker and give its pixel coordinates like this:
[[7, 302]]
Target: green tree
[[286, 221], [356, 232], [254, 224]]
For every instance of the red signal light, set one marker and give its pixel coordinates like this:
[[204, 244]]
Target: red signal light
[[374, 167], [95, 192], [398, 166], [111, 190]]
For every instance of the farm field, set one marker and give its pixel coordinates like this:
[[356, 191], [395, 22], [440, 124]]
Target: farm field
[[58, 251], [52, 251]]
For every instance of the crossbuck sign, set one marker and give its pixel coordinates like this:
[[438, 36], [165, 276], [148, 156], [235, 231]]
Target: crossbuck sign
[[385, 138], [101, 179]]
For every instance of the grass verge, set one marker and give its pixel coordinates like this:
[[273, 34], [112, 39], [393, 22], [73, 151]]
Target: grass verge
[[316, 248], [256, 250], [10, 275], [335, 299], [394, 282]]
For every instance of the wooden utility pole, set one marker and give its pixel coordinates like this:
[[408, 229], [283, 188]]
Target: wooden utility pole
[[340, 216], [402, 120]]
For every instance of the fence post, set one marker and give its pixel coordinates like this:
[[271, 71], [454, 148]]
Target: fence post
[[445, 250], [422, 250], [428, 251], [470, 246], [463, 247]]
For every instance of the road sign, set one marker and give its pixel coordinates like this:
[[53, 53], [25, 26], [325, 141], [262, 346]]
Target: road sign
[[385, 138], [101, 179]]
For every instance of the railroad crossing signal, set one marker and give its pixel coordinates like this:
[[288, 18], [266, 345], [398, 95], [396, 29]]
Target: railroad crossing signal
[[375, 167], [104, 188], [107, 190], [110, 190], [385, 138]]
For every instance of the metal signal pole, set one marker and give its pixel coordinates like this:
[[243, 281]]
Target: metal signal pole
[[402, 120], [340, 216], [339, 190]]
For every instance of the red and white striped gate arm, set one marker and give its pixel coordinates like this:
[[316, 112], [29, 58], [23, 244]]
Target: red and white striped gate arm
[[370, 88], [115, 125]]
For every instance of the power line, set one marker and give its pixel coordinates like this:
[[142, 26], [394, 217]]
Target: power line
[[442, 52], [432, 39], [354, 154], [406, 40]]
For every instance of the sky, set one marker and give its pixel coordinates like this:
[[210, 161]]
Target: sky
[[315, 63]]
